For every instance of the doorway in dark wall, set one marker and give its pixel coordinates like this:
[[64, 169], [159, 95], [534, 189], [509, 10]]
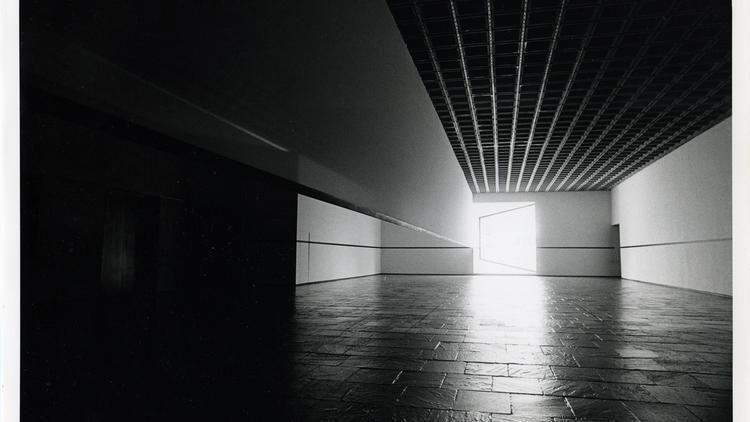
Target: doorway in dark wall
[[90, 240], [129, 243], [615, 239], [89, 264]]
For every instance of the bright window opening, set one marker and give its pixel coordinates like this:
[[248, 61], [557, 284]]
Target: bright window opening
[[507, 239]]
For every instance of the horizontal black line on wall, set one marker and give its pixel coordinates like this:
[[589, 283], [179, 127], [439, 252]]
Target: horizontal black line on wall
[[507, 274], [381, 247], [336, 279], [653, 283], [439, 247], [458, 275], [676, 243], [575, 247]]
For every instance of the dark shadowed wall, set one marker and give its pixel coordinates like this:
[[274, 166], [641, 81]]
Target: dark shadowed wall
[[151, 270]]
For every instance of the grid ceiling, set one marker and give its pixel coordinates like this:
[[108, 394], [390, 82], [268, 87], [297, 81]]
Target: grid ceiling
[[559, 95]]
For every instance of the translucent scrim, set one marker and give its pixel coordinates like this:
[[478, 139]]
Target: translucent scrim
[[507, 239]]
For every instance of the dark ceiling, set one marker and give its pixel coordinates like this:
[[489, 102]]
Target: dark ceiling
[[556, 95]]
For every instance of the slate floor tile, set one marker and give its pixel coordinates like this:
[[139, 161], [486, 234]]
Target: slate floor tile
[[564, 388], [661, 412], [530, 371], [459, 416], [421, 379], [333, 348], [323, 359], [428, 397], [711, 414], [444, 351], [624, 376], [476, 356], [574, 373], [377, 362], [606, 349], [468, 382], [334, 373], [483, 401], [516, 385], [603, 410], [497, 417], [689, 396], [614, 391], [444, 366], [539, 406], [374, 376], [402, 414], [492, 369], [673, 379], [356, 412], [374, 394], [719, 382]]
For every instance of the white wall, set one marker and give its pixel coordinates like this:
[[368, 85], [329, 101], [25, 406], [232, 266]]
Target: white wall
[[334, 242], [406, 251], [457, 261], [574, 234], [675, 216]]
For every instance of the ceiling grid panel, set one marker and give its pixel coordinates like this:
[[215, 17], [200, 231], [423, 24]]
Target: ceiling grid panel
[[469, 94], [564, 97], [446, 95], [542, 89], [493, 92], [603, 67], [561, 95], [517, 90], [597, 166], [619, 84]]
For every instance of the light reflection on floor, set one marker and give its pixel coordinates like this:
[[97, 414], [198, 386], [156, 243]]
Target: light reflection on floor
[[507, 348], [510, 301]]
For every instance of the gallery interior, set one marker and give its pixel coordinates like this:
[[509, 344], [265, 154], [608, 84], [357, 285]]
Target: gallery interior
[[448, 210]]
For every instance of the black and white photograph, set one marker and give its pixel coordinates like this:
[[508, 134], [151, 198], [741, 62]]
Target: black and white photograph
[[375, 210]]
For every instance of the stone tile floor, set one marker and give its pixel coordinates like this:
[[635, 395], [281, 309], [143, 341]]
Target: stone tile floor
[[506, 348]]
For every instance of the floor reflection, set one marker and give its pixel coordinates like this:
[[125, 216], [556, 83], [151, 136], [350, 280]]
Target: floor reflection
[[479, 348], [510, 301], [484, 347]]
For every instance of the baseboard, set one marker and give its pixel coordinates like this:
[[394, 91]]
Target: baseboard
[[509, 274], [523, 275], [435, 274], [680, 288], [336, 279], [474, 274]]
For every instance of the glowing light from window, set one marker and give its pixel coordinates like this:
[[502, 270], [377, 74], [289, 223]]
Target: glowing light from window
[[507, 238]]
